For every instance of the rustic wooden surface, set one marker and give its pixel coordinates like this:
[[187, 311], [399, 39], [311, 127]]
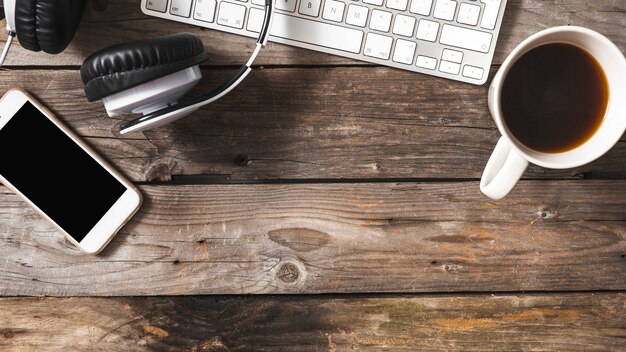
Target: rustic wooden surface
[[339, 126], [320, 175], [545, 322], [388, 237]]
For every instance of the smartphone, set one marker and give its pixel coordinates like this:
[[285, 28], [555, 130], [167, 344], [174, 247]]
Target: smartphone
[[60, 176]]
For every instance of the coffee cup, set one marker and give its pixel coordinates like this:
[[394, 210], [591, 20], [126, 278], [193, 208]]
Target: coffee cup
[[511, 156]]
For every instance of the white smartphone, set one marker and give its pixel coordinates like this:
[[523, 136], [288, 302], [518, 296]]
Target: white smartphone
[[60, 176]]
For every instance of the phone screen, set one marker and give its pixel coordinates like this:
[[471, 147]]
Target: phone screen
[[55, 173]]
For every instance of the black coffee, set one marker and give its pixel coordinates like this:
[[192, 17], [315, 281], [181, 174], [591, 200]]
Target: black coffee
[[554, 98]]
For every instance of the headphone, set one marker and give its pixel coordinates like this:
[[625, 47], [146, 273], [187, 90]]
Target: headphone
[[145, 77]]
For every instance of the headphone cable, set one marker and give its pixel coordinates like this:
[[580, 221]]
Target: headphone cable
[[5, 51]]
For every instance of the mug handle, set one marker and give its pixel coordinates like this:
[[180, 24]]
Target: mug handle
[[504, 168]]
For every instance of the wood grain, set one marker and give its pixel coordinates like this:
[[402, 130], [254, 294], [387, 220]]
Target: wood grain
[[110, 22], [389, 237], [336, 124], [315, 117], [564, 322]]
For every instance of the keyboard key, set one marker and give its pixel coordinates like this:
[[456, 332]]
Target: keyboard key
[[452, 55], [444, 9], [181, 8], [490, 13], [449, 67], [255, 20], [380, 21], [310, 7], [468, 14], [333, 10], [374, 2], [426, 62], [473, 72], [205, 10], [404, 25], [357, 15], [421, 7], [259, 2], [427, 30], [316, 33], [286, 5], [157, 5], [465, 38], [378, 46], [404, 51], [397, 4], [231, 15]]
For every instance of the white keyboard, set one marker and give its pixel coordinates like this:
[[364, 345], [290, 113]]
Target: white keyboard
[[445, 38]]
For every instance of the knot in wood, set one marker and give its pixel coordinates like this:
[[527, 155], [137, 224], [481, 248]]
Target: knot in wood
[[288, 272], [546, 214], [159, 172], [9, 334], [243, 160]]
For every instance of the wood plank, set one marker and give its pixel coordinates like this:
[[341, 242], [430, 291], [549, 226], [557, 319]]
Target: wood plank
[[107, 22], [407, 237], [339, 123], [564, 322]]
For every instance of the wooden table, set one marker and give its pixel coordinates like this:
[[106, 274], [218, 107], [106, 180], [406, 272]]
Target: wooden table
[[319, 175]]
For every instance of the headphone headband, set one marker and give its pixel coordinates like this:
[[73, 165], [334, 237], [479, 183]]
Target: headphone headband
[[175, 112], [9, 14]]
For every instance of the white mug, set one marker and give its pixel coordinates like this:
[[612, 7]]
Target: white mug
[[510, 158]]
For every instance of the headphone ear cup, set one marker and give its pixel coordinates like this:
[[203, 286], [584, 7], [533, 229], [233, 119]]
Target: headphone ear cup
[[47, 25], [152, 72]]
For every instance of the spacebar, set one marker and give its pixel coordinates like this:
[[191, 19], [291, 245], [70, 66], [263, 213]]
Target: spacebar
[[316, 33]]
